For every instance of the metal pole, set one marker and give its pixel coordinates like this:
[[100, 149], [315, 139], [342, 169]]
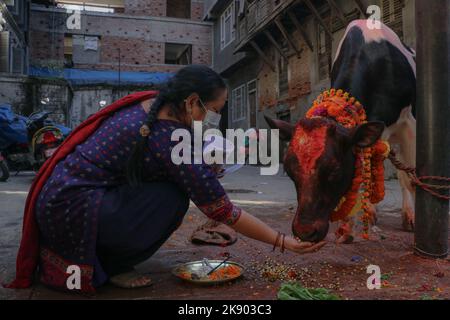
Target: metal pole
[[433, 123]]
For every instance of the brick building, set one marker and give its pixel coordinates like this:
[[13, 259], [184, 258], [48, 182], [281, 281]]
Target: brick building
[[277, 54], [138, 35]]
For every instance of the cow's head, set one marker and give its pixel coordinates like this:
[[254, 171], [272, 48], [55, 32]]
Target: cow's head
[[321, 162]]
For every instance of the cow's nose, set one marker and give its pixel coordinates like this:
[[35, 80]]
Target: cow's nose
[[315, 232], [312, 236], [305, 236]]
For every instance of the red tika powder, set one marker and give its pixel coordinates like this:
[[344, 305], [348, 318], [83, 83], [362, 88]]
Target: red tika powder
[[308, 145]]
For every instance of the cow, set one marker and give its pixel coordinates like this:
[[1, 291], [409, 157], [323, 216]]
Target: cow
[[375, 67]]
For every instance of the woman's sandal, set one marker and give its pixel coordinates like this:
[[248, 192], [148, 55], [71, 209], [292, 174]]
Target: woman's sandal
[[131, 280]]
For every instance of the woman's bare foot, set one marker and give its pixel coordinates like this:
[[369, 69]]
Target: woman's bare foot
[[131, 280]]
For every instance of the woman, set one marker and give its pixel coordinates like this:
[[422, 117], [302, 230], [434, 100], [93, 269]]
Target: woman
[[117, 197]]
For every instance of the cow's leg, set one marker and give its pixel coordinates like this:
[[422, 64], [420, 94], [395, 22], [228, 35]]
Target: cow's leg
[[372, 214], [407, 155], [403, 133], [344, 233]]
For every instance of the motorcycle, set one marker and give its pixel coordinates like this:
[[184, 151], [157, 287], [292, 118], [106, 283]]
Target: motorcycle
[[26, 143], [45, 136], [45, 142]]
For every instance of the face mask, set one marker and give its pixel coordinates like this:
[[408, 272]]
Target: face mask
[[212, 119]]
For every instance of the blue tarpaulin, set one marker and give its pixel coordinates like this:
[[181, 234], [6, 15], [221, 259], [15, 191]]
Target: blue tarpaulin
[[13, 128], [85, 77]]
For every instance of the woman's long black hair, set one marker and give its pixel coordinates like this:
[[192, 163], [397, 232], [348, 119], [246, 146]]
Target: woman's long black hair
[[191, 79]]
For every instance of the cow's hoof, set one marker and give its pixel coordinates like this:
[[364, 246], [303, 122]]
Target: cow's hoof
[[345, 239], [408, 224], [344, 234], [408, 220]]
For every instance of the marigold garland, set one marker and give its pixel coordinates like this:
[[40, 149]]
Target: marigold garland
[[368, 181]]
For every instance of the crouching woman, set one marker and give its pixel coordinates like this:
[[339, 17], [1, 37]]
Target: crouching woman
[[111, 195]]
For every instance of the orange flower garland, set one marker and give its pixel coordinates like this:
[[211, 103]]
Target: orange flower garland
[[369, 170]]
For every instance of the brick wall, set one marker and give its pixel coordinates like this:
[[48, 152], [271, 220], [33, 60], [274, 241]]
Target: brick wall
[[299, 78], [156, 8], [45, 43], [197, 10], [299, 72], [267, 80], [178, 9], [47, 46], [133, 51], [141, 41], [202, 54]]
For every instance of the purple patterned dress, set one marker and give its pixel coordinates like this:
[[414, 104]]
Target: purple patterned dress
[[89, 188]]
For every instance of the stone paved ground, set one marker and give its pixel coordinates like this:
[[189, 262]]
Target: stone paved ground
[[341, 268]]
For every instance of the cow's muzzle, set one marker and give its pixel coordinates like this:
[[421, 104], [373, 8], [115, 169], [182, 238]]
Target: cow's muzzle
[[311, 232]]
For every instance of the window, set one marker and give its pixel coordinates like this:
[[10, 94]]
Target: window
[[179, 9], [238, 107], [227, 26], [178, 53], [323, 53], [4, 51], [68, 51], [393, 15]]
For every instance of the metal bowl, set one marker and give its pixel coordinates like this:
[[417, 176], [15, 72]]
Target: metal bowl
[[197, 268]]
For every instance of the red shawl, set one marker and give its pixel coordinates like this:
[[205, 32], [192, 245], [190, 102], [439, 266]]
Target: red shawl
[[28, 255]]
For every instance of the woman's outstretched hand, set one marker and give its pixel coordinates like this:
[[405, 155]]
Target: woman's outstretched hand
[[302, 247], [254, 228]]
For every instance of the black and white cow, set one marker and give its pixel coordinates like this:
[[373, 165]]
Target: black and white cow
[[375, 67]]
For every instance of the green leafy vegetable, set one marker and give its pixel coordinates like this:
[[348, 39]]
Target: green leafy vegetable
[[295, 291], [386, 276]]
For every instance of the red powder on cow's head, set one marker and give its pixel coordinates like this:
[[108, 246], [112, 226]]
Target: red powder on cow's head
[[308, 144]]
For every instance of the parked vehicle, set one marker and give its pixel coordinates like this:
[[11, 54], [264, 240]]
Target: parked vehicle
[[45, 136], [45, 142], [26, 143]]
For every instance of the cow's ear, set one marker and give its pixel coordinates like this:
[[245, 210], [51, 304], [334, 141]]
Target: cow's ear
[[286, 128], [367, 134]]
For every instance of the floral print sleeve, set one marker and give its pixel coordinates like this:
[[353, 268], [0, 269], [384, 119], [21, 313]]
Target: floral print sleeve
[[199, 181]]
